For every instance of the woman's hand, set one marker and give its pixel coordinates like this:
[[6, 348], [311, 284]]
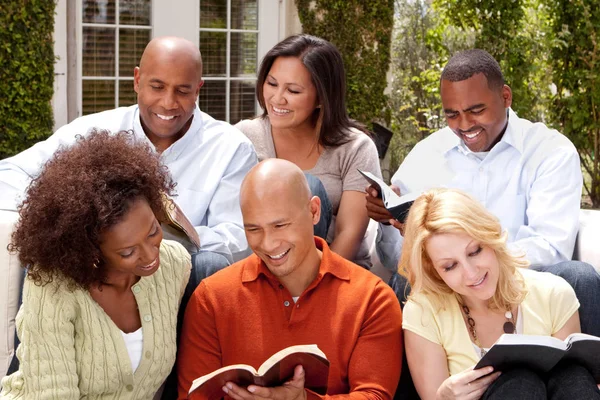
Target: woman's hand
[[468, 385]]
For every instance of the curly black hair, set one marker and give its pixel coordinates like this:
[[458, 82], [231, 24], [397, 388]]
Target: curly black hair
[[80, 192]]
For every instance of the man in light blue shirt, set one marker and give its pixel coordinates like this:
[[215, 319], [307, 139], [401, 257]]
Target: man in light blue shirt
[[207, 158], [525, 173]]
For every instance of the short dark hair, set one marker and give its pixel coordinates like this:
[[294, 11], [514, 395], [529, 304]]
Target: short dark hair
[[326, 67], [465, 64], [83, 190]]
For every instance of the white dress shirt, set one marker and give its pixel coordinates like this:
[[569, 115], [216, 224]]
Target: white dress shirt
[[208, 163], [531, 180]]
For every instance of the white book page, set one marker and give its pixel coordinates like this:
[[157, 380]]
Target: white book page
[[281, 354], [199, 381], [537, 340], [576, 337]]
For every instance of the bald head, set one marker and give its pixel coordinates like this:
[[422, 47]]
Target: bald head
[[279, 216], [171, 49], [275, 179]]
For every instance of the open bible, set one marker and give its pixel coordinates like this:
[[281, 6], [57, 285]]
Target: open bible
[[398, 206], [542, 353], [277, 370]]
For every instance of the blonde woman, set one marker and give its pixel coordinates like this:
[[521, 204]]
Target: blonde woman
[[467, 290]]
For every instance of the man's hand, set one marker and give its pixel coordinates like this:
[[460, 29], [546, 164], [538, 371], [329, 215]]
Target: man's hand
[[375, 207], [469, 384], [398, 225], [377, 210], [291, 390]]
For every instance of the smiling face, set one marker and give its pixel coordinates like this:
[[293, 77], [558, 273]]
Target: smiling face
[[281, 233], [131, 246], [474, 112], [167, 84], [464, 264], [289, 94]]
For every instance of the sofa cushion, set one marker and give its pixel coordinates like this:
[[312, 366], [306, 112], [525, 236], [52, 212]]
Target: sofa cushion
[[11, 281]]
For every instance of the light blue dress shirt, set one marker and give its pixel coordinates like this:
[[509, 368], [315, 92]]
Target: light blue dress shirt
[[531, 180], [208, 163]]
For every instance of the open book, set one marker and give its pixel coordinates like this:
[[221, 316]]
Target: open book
[[542, 353], [277, 370], [398, 206]]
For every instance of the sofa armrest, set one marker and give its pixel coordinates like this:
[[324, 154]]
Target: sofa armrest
[[11, 282], [587, 245]]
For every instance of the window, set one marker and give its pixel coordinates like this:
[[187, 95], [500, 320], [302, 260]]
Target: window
[[114, 35], [106, 38], [229, 35]]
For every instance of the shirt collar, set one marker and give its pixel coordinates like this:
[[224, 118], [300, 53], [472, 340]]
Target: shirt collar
[[512, 136], [190, 139], [330, 264]]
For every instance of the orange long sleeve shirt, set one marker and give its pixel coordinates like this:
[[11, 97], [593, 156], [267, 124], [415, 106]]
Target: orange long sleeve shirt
[[243, 315]]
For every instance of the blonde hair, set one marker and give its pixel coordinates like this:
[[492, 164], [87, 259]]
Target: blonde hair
[[453, 211]]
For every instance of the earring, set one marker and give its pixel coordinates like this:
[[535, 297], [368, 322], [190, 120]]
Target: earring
[[95, 264]]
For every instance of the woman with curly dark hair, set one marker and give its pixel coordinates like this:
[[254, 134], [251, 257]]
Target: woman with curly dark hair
[[99, 316]]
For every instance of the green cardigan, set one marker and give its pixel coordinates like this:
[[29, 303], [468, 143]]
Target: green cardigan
[[70, 348]]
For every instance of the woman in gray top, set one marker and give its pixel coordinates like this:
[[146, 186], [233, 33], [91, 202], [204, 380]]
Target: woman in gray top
[[301, 87]]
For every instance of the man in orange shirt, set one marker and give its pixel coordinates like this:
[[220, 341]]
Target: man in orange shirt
[[292, 290]]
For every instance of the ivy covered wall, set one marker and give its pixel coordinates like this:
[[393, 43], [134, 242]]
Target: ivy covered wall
[[26, 73], [362, 32]]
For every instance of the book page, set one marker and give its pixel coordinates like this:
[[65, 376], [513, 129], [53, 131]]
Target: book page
[[280, 355], [536, 340], [199, 381], [575, 337]]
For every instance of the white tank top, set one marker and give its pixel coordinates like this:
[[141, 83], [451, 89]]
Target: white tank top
[[134, 342]]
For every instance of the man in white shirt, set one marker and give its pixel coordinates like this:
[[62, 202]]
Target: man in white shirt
[[207, 158], [526, 174]]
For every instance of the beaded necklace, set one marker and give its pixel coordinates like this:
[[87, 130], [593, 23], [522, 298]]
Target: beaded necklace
[[509, 326]]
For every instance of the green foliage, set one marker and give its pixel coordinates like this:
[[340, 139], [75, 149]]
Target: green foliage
[[428, 32], [513, 31], [361, 30], [26, 73], [576, 72], [423, 41]]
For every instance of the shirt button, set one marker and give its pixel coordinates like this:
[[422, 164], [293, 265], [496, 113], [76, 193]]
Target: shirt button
[[147, 317], [129, 388], [148, 354], [481, 169], [136, 289], [286, 303]]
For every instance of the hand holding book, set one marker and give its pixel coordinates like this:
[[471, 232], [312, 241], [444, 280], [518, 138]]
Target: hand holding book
[[398, 206], [292, 389], [277, 373], [471, 382]]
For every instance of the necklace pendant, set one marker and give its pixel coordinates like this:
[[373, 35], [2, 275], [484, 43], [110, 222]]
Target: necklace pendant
[[509, 327]]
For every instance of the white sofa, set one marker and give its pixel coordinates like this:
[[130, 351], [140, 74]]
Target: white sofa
[[587, 246], [11, 278], [11, 274]]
